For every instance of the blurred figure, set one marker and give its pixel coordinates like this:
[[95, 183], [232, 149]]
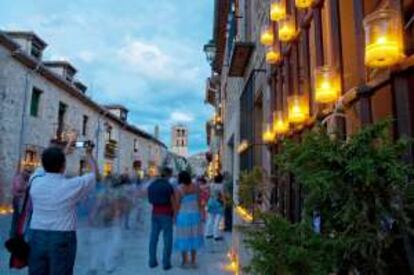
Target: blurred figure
[[161, 196], [215, 209], [19, 187], [105, 219], [189, 230], [171, 179], [126, 199], [204, 195]]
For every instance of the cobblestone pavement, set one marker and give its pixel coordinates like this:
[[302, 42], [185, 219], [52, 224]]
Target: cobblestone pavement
[[134, 256]]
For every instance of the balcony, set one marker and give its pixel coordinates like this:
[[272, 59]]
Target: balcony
[[238, 53], [62, 134], [212, 88], [111, 149], [240, 58]]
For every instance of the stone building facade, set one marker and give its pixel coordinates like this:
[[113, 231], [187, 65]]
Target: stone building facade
[[42, 101], [246, 90]]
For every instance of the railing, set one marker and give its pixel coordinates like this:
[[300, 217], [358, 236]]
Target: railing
[[61, 133], [111, 148]]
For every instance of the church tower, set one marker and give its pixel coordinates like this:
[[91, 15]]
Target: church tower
[[179, 140]]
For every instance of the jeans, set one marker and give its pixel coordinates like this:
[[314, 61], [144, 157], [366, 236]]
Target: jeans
[[160, 223], [213, 225], [52, 252]]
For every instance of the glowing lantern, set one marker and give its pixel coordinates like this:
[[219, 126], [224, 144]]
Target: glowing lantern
[[298, 109], [273, 55], [244, 214], [277, 10], [233, 265], [383, 39], [217, 119], [303, 4], [268, 135], [287, 29], [243, 146], [280, 124], [266, 35], [327, 85]]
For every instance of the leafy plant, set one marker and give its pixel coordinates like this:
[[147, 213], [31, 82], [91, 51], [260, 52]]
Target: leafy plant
[[250, 185], [357, 186], [284, 248]]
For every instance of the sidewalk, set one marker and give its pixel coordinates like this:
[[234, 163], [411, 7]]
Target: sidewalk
[[134, 258]]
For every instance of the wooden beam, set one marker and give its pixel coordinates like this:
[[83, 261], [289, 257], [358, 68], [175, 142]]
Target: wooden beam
[[360, 44], [317, 19]]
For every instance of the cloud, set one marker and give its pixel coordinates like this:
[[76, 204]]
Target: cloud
[[87, 56], [152, 62], [180, 117]]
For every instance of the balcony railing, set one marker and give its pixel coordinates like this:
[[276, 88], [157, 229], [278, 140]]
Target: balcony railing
[[61, 133], [111, 148]]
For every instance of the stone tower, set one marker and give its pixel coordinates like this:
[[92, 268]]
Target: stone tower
[[179, 140]]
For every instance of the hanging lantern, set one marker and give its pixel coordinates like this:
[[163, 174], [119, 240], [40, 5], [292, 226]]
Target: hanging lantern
[[277, 10], [287, 29], [327, 85], [266, 35], [268, 135], [280, 124], [273, 55], [298, 109], [383, 39], [303, 4], [217, 119]]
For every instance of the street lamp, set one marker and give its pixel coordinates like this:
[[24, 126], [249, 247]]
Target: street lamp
[[210, 51]]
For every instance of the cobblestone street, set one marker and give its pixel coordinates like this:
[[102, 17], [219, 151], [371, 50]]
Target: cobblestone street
[[134, 252]]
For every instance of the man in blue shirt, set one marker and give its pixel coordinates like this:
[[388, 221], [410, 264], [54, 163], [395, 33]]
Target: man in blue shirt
[[161, 196]]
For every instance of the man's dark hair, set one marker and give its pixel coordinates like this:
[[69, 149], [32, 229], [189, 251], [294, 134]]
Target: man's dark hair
[[53, 160], [166, 172], [202, 179], [218, 178], [184, 177]]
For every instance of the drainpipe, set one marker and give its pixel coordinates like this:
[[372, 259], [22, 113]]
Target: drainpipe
[[97, 134], [119, 148], [25, 100]]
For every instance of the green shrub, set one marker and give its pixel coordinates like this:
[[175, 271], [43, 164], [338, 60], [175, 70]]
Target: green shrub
[[357, 185]]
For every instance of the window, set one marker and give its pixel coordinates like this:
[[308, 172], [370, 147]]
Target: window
[[61, 120], [123, 115], [85, 125], [135, 145], [30, 156], [36, 51], [108, 133], [34, 105]]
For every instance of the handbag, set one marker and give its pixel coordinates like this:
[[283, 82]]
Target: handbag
[[17, 245]]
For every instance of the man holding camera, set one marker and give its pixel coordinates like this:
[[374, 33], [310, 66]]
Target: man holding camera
[[53, 224]]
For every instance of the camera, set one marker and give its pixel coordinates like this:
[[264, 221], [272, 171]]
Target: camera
[[84, 144]]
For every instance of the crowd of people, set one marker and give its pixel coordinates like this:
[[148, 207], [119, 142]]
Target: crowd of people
[[47, 204]]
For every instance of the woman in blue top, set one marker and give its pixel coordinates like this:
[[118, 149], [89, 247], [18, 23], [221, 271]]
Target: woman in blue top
[[189, 230]]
